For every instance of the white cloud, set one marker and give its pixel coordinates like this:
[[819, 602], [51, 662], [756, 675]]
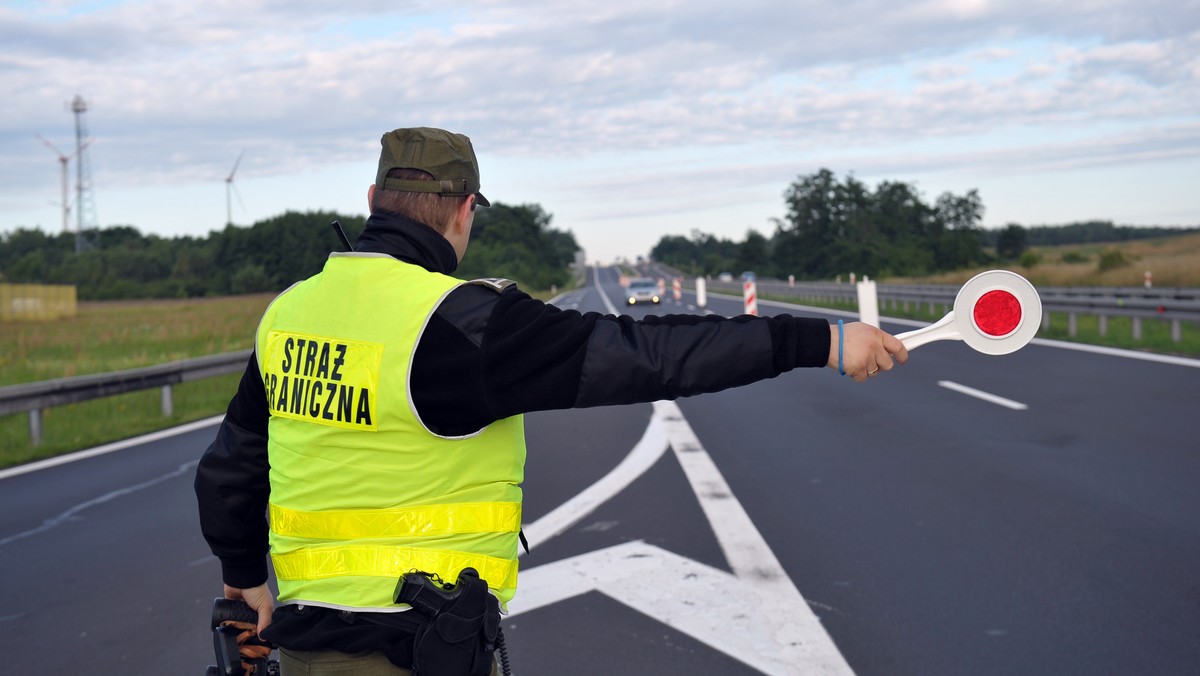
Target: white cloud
[[179, 89]]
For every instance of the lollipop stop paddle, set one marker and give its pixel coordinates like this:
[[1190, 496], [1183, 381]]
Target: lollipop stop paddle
[[995, 312]]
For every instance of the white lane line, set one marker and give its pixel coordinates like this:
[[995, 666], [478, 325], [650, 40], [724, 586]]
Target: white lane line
[[1118, 352], [980, 394], [109, 448], [603, 296]]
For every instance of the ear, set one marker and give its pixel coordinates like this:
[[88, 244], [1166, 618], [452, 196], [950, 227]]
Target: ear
[[463, 216], [370, 197]]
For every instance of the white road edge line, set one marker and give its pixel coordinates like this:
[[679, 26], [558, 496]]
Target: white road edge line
[[980, 394], [109, 448]]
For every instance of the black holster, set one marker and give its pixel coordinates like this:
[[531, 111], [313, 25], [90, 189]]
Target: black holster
[[461, 623]]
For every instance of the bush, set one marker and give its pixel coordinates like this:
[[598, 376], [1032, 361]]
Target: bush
[[1111, 260], [250, 278], [1075, 257], [1029, 259]]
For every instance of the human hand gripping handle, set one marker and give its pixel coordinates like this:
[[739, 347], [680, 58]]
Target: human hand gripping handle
[[861, 350], [259, 598]]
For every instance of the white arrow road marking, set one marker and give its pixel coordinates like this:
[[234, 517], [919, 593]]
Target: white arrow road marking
[[653, 444], [755, 615]]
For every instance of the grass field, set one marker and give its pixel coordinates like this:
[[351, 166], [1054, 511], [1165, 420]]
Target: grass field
[[114, 336], [1172, 262]]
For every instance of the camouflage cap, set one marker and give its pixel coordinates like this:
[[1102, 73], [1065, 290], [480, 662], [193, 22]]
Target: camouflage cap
[[448, 157]]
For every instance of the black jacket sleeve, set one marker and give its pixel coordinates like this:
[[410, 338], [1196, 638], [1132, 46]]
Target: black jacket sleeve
[[232, 486], [486, 356]]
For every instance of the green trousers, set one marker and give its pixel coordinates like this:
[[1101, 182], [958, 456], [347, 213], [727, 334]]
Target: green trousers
[[332, 663]]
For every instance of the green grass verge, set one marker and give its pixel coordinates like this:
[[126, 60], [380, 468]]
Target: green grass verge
[[92, 423], [119, 335], [1156, 334]]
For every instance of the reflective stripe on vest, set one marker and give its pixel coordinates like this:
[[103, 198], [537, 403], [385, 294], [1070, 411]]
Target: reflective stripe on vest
[[361, 491], [390, 563], [485, 517]]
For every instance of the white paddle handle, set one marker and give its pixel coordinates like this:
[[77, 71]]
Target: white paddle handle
[[944, 329]]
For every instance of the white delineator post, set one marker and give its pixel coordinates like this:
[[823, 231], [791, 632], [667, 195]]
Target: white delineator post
[[750, 296], [701, 292], [868, 303]]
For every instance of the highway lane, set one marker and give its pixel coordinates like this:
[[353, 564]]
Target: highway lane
[[943, 534], [931, 532], [102, 567]]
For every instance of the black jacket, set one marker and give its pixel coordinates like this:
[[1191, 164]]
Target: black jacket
[[486, 355]]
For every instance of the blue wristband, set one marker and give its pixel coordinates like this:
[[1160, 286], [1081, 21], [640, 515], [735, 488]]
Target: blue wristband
[[841, 341]]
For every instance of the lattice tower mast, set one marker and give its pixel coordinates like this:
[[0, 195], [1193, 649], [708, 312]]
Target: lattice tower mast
[[85, 200]]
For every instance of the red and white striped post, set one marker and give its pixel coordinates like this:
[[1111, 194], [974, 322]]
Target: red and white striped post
[[677, 288], [750, 296]]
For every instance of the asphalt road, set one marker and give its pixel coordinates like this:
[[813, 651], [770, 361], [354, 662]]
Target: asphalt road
[[894, 527]]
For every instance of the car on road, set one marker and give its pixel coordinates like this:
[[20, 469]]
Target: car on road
[[642, 290]]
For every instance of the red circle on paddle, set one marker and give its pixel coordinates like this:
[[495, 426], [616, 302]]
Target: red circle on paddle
[[997, 313]]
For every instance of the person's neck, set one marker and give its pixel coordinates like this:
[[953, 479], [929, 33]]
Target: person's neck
[[408, 240]]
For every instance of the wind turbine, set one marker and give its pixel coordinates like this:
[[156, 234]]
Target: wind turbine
[[229, 189], [63, 159]]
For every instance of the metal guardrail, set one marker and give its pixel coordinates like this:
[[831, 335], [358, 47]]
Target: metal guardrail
[[35, 398], [1175, 305]]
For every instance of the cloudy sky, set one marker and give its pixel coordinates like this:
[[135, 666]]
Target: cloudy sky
[[626, 120]]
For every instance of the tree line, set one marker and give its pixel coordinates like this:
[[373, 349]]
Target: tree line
[[833, 227], [1088, 232], [120, 262]]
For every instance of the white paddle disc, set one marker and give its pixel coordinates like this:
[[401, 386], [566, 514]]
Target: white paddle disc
[[995, 312]]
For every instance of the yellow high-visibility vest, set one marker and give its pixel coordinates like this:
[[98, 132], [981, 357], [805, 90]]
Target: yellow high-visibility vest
[[361, 491]]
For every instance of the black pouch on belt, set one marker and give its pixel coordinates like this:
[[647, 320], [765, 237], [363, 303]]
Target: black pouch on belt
[[458, 636]]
